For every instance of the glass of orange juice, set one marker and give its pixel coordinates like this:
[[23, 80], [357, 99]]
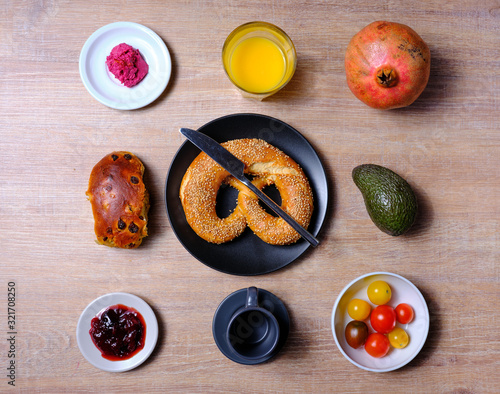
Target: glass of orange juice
[[259, 59]]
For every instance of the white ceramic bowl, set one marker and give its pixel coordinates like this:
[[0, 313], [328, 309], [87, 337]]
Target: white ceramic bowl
[[93, 354], [402, 291]]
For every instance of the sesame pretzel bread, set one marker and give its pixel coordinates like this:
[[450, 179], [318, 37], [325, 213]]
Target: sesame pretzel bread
[[269, 165]]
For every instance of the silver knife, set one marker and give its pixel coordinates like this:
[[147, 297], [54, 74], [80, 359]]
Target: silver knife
[[236, 167]]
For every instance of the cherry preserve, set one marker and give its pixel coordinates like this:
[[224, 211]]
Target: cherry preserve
[[119, 332]]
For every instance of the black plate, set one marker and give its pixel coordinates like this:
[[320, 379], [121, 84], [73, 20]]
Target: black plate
[[247, 254]]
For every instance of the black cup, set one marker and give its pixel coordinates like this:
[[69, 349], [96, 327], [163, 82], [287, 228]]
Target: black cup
[[253, 332]]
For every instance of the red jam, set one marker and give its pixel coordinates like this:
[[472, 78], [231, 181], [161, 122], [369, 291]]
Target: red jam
[[119, 332]]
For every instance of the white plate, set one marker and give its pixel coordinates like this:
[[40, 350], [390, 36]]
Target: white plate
[[103, 86], [402, 291], [93, 354]]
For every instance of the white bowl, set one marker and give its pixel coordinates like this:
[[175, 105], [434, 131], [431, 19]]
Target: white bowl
[[93, 354], [402, 291]]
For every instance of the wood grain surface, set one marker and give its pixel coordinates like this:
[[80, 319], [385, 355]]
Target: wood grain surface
[[446, 145]]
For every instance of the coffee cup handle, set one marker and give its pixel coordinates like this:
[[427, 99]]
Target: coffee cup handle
[[252, 297]]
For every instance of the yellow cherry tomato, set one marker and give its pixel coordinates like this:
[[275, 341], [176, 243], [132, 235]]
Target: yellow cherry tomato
[[398, 338], [379, 292], [359, 309]]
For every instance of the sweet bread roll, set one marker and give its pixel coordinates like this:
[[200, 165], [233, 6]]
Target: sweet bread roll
[[120, 201]]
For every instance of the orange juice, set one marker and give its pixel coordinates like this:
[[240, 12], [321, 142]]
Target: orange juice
[[259, 59], [257, 65]]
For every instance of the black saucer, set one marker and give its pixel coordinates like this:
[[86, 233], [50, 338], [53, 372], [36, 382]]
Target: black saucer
[[237, 300]]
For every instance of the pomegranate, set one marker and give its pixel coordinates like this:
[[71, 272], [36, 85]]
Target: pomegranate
[[387, 65]]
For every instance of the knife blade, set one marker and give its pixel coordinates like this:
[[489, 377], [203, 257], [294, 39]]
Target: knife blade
[[236, 168]]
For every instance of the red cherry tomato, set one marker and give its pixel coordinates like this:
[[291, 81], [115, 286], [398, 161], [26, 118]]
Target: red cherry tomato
[[404, 313], [383, 319], [377, 345]]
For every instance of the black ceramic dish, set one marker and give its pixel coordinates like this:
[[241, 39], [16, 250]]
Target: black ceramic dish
[[235, 301], [246, 254]]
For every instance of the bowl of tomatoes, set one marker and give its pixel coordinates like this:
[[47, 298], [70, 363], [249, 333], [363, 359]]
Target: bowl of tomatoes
[[380, 321]]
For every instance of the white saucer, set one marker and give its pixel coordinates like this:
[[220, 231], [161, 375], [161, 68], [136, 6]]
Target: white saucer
[[103, 86], [93, 354]]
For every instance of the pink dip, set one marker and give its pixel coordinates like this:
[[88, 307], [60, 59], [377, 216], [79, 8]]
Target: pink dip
[[127, 65]]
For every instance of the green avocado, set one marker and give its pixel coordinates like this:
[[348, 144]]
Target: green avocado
[[389, 199]]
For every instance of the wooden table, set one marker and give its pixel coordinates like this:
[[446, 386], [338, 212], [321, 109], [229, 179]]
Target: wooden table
[[446, 145]]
